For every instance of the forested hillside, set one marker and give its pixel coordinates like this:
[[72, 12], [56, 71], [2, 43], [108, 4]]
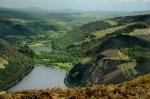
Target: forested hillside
[[13, 64]]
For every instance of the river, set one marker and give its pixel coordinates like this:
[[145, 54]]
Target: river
[[41, 78]]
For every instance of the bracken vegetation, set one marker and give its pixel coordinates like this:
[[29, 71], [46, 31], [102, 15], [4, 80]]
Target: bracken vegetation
[[138, 88]]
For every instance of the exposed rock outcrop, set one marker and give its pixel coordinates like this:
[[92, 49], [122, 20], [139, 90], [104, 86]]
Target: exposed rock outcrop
[[112, 63]]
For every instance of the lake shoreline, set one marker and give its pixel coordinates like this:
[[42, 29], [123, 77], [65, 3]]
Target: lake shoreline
[[57, 67], [26, 82], [17, 81]]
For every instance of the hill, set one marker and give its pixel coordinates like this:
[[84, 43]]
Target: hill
[[96, 32], [13, 64], [117, 59], [20, 27], [85, 31], [7, 12], [137, 88], [57, 26], [117, 51]]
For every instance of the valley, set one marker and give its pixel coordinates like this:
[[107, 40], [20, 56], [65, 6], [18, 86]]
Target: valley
[[41, 49]]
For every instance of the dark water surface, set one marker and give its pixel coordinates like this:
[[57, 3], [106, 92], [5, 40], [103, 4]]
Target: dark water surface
[[41, 78]]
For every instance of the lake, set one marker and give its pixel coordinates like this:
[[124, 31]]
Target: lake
[[41, 78], [42, 49]]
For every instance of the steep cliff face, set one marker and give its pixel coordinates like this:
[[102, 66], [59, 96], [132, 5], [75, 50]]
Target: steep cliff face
[[116, 59]]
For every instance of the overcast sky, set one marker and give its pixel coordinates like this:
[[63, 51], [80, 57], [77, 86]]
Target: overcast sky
[[107, 5]]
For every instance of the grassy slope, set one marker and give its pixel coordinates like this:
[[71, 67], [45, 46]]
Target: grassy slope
[[15, 64], [117, 56], [137, 88], [60, 59], [77, 34], [97, 31], [121, 54], [21, 27], [85, 39]]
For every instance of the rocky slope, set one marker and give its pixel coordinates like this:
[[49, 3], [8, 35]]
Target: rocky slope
[[117, 59], [117, 53]]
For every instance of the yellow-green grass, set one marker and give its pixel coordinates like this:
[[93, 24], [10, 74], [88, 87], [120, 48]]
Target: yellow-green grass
[[63, 65], [128, 69], [141, 33], [115, 55], [85, 60], [83, 41], [39, 44], [137, 32], [102, 33], [111, 22], [3, 62]]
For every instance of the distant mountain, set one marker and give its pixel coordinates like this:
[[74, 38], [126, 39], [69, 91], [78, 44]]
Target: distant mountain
[[35, 11], [42, 10], [17, 25], [66, 11], [32, 9], [8, 12]]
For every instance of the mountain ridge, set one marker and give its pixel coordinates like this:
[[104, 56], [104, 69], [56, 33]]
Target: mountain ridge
[[117, 56]]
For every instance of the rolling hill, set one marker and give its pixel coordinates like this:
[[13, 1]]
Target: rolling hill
[[96, 32], [58, 25], [18, 27], [118, 51], [78, 34]]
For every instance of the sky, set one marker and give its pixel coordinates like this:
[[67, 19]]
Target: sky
[[84, 5]]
